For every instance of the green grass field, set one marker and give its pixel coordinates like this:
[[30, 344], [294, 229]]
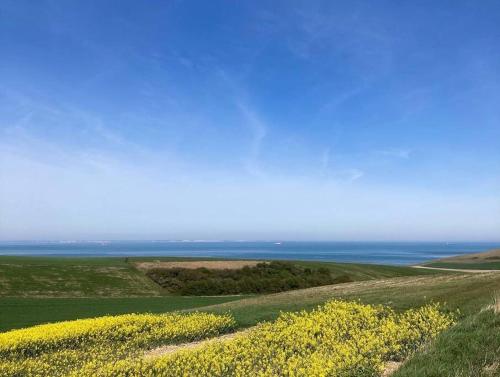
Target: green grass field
[[117, 277], [22, 312], [36, 290], [361, 272], [72, 277], [488, 260], [466, 266], [39, 290]]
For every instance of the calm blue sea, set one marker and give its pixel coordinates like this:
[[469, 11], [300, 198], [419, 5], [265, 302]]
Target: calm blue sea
[[396, 253]]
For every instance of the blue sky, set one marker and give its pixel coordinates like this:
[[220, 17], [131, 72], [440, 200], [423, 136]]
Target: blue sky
[[334, 120]]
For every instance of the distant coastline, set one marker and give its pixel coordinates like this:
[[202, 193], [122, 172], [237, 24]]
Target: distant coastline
[[393, 253]]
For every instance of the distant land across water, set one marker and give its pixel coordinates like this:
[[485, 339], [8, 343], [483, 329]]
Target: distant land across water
[[394, 253]]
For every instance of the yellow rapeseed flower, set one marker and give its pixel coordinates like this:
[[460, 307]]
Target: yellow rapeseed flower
[[335, 340]]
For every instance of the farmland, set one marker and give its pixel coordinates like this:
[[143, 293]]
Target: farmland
[[336, 339], [467, 348], [36, 290]]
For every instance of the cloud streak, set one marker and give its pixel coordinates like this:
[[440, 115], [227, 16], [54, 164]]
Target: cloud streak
[[329, 120], [402, 153], [258, 131], [124, 201]]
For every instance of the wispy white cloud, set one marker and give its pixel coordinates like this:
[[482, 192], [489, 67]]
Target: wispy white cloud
[[337, 100], [325, 161], [70, 125], [403, 153], [251, 117], [259, 131], [349, 175], [335, 172]]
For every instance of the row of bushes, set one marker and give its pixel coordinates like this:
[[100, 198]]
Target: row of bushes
[[263, 278]]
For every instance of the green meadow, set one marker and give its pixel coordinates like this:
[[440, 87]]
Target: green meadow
[[36, 290]]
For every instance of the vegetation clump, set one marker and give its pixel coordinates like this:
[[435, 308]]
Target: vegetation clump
[[269, 277]]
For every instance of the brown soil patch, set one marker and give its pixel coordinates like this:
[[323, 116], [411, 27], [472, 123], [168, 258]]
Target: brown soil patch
[[212, 265], [490, 370], [390, 368]]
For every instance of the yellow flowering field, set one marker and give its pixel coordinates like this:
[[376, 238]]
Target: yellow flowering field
[[337, 339], [57, 348]]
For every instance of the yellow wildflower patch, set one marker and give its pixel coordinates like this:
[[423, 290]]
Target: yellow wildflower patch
[[337, 339], [57, 348]]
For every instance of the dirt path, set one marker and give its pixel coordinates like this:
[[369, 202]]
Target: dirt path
[[390, 367], [456, 269], [164, 350]]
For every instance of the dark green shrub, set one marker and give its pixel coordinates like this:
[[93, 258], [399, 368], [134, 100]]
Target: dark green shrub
[[269, 277]]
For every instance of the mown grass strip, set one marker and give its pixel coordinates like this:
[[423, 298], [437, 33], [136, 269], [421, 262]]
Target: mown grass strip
[[467, 292]]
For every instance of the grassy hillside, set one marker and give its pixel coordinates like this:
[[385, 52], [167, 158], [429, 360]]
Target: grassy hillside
[[489, 260], [467, 292], [361, 272], [465, 266], [468, 349], [45, 289], [471, 348], [36, 290], [357, 271], [118, 277], [72, 277]]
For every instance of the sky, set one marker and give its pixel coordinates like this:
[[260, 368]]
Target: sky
[[249, 120]]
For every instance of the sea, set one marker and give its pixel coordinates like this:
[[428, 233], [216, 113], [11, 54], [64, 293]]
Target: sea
[[392, 253]]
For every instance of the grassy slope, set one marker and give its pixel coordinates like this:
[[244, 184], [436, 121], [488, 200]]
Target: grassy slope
[[467, 292], [117, 277], [36, 290], [361, 272], [72, 277], [469, 349], [467, 266], [489, 260], [358, 271]]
